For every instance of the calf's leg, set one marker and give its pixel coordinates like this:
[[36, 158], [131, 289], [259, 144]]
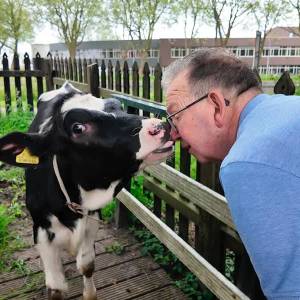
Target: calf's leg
[[50, 255], [86, 258]]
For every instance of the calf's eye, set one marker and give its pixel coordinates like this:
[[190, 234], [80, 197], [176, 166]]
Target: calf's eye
[[78, 128]]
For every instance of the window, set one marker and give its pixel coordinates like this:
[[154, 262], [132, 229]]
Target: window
[[242, 51], [179, 52]]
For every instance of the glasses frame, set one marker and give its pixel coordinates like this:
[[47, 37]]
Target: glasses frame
[[169, 117]]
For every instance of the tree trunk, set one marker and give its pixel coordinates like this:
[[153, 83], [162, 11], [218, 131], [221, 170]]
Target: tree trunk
[[16, 46], [72, 49]]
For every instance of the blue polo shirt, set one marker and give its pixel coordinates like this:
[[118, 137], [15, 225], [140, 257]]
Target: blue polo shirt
[[261, 179]]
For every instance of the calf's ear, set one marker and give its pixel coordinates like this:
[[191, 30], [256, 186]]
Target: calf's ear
[[23, 149]]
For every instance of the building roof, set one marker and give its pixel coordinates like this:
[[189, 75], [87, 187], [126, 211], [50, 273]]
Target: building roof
[[109, 44]]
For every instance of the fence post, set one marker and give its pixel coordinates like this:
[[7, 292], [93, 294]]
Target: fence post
[[37, 65], [135, 79], [80, 77], [157, 83], [126, 85], [103, 74], [28, 82], [118, 76], [62, 68], [16, 64], [93, 79], [110, 75], [75, 71], [47, 68], [6, 80], [257, 51], [146, 86]]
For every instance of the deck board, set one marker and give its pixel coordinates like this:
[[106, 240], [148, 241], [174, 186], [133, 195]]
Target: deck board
[[117, 277]]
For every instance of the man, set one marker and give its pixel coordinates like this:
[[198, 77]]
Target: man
[[217, 109]]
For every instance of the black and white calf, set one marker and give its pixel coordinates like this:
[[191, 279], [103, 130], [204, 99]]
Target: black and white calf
[[96, 148]]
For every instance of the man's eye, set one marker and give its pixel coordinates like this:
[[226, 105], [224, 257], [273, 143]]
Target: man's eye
[[176, 118], [78, 128]]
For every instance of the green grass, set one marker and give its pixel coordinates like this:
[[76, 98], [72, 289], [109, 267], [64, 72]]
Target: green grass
[[9, 241], [13, 94], [15, 121]]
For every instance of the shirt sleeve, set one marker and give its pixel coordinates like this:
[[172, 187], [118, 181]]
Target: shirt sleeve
[[265, 205]]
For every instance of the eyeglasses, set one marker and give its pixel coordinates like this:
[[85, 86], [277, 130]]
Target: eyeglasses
[[169, 117]]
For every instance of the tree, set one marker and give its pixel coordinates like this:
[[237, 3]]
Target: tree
[[16, 23], [139, 18], [267, 13], [71, 18], [295, 6], [225, 15], [191, 11]]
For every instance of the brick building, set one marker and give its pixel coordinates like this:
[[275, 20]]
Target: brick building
[[281, 51]]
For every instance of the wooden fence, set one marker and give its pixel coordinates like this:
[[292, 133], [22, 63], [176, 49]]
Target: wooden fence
[[187, 211], [35, 73]]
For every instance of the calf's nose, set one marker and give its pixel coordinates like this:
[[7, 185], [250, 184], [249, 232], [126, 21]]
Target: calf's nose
[[155, 130]]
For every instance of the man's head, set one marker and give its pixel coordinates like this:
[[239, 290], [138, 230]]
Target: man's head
[[224, 84]]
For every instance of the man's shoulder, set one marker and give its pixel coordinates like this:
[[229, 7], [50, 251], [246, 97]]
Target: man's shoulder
[[269, 134]]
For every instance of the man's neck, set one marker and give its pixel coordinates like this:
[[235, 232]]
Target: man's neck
[[238, 106]]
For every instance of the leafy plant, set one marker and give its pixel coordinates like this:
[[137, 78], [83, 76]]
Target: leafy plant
[[115, 248], [184, 279]]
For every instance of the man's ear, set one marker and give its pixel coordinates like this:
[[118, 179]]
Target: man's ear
[[23, 149], [217, 100]]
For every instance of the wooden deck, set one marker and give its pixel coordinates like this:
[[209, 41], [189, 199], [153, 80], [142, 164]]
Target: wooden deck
[[117, 277]]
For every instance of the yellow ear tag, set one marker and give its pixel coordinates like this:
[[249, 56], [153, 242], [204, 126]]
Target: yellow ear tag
[[27, 158]]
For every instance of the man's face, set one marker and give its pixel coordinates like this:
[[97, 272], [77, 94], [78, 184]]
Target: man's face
[[198, 126]]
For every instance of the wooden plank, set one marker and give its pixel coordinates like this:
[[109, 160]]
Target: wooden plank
[[84, 87], [6, 80], [80, 75], [21, 73], [103, 278], [126, 85], [135, 286], [206, 273], [39, 79], [135, 79], [157, 83], [110, 75], [105, 236], [16, 65], [103, 261], [75, 70], [173, 198], [103, 74], [84, 67], [118, 77], [93, 80], [28, 82], [136, 102], [185, 163], [197, 193], [166, 293]]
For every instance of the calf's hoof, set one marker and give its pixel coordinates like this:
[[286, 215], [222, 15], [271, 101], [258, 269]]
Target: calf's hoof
[[89, 297], [55, 295]]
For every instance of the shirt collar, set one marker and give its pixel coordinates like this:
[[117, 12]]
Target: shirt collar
[[251, 105]]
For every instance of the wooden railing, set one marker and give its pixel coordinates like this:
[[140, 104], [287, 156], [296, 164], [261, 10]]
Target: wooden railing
[[180, 203]]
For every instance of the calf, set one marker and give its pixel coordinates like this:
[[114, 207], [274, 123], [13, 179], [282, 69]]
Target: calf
[[79, 151]]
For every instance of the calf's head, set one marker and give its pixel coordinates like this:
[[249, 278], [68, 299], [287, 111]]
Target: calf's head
[[100, 141]]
